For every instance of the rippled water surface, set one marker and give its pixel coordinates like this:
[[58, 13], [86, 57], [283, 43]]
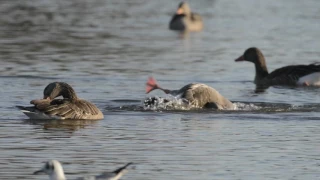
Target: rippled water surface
[[107, 49]]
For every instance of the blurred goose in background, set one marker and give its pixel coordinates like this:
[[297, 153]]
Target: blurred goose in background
[[294, 75], [54, 169], [185, 20], [70, 107], [198, 95]]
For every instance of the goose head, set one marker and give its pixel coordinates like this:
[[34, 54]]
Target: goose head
[[56, 89], [183, 8], [253, 55]]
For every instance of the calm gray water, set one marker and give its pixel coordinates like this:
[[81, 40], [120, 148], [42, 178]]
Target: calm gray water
[[107, 49]]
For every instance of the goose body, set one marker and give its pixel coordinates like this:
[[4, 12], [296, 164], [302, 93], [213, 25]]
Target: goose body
[[294, 75], [197, 94], [54, 169], [185, 20], [70, 107]]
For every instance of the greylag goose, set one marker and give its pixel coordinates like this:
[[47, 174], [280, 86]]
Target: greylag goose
[[55, 171], [70, 107], [184, 19], [198, 95], [294, 75]]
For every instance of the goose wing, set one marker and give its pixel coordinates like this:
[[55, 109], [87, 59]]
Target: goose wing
[[291, 74], [66, 109]]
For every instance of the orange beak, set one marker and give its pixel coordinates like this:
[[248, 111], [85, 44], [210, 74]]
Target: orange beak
[[179, 11]]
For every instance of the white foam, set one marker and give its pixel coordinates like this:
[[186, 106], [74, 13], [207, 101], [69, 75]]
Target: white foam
[[245, 107], [169, 103]]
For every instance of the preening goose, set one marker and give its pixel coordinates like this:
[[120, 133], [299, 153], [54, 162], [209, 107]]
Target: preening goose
[[294, 75], [185, 20], [54, 169], [197, 95], [70, 107]]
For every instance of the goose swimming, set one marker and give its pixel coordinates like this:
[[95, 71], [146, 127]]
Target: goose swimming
[[184, 19], [294, 75], [70, 107]]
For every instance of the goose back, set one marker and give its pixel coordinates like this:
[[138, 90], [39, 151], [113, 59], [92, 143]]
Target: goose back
[[290, 75], [68, 109], [200, 95]]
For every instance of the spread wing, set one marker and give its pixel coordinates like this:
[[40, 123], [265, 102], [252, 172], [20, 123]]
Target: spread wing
[[291, 74]]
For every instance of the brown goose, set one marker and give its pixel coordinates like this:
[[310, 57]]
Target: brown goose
[[70, 107], [295, 75], [184, 19], [197, 95]]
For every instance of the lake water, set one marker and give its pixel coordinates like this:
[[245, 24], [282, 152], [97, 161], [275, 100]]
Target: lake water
[[107, 49]]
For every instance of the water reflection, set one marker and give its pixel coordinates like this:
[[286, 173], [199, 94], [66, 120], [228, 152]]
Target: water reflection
[[107, 49], [70, 125]]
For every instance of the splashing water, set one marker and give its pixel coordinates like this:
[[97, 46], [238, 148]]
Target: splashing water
[[177, 103], [168, 103], [245, 107]]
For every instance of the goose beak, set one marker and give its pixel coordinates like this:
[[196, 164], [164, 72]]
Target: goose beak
[[179, 11], [241, 58]]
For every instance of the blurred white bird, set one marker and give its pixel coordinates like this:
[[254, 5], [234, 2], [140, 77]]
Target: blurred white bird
[[54, 169]]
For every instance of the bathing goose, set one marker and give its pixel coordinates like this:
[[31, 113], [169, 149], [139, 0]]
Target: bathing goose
[[184, 19], [294, 75], [197, 95], [70, 107], [54, 169]]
